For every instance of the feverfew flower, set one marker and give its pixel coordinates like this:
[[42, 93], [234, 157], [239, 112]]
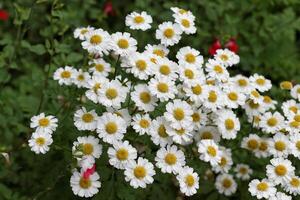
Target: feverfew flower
[[262, 189], [84, 120], [100, 66], [96, 42], [123, 44], [260, 83], [158, 132], [137, 21], [209, 152], [228, 124], [163, 88], [81, 32], [295, 92], [243, 171], [225, 184], [81, 78], [280, 170], [168, 33], [186, 22], [87, 146], [43, 123], [188, 181], [40, 142], [189, 56], [141, 123], [65, 75], [227, 57], [143, 98]]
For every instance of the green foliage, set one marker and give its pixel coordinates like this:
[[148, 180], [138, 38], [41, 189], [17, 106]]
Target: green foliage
[[39, 37]]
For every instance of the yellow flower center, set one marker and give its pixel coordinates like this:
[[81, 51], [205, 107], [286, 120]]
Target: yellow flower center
[[182, 11], [162, 131], [87, 149], [162, 87], [242, 82], [111, 93], [141, 65], [123, 43], [227, 183], [286, 85], [272, 121], [96, 87], [211, 151], [298, 145], [294, 109], [169, 33], [232, 96], [197, 89], [87, 117], [145, 97], [212, 96], [40, 141], [295, 124], [224, 57], [298, 90], [83, 31], [189, 180], [255, 94], [122, 154], [262, 186], [189, 73], [190, 58], [44, 122], [170, 159], [164, 69], [196, 117], [229, 124], [223, 162], [243, 170], [96, 39], [280, 146], [65, 74], [144, 123], [99, 67], [178, 114], [252, 144], [297, 118], [139, 172], [253, 105], [159, 52], [263, 146], [260, 81], [180, 131], [186, 23], [206, 135], [139, 19], [80, 77], [295, 182], [85, 183], [111, 127], [267, 99], [218, 69], [280, 170], [210, 82]]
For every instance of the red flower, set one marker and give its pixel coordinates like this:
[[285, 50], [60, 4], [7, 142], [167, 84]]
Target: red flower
[[214, 47], [232, 45], [4, 15], [108, 9], [89, 172]]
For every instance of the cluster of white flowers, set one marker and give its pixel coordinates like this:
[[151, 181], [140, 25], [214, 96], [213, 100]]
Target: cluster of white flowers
[[175, 103]]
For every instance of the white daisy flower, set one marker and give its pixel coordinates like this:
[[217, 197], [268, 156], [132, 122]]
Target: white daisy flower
[[186, 22], [292, 186], [81, 78], [241, 84], [158, 132], [216, 70], [179, 114], [214, 98], [271, 123], [263, 148], [199, 118], [262, 189], [256, 96], [251, 142], [85, 186], [254, 109], [94, 85], [209, 152], [170, 159], [163, 88], [243, 171], [228, 124], [195, 91], [189, 56], [43, 123], [141, 123], [188, 181], [280, 170], [139, 173], [227, 57], [123, 44], [84, 120], [96, 42], [139, 64], [181, 135], [260, 82], [165, 68], [207, 133], [40, 142], [111, 128], [290, 108], [138, 21], [87, 146], [158, 50], [225, 184], [295, 92], [168, 33], [100, 66], [65, 75], [121, 154], [233, 98], [143, 98], [112, 94], [190, 74], [81, 32], [280, 146], [180, 11], [280, 196], [269, 103], [123, 113], [225, 163]]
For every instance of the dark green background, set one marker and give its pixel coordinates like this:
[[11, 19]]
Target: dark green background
[[39, 34]]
